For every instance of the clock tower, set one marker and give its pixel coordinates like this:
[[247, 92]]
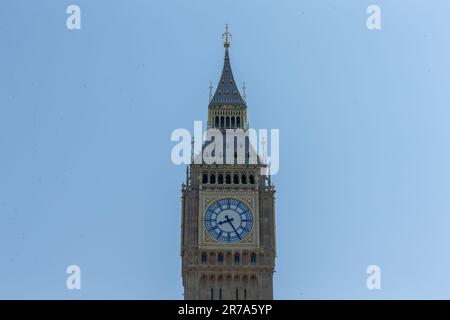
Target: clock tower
[[228, 213]]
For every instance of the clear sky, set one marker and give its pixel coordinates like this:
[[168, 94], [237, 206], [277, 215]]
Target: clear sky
[[86, 117]]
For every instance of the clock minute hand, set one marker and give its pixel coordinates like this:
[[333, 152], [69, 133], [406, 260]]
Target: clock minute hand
[[229, 221]]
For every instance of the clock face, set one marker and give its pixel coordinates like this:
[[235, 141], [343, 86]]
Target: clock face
[[228, 220]]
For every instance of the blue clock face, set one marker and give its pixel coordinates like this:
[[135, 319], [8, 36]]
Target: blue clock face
[[228, 220]]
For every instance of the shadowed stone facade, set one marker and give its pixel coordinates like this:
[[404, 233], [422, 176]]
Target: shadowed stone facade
[[235, 257]]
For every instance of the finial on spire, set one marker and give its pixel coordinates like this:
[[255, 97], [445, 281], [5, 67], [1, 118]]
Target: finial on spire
[[210, 91], [226, 37], [263, 147], [244, 93], [192, 150]]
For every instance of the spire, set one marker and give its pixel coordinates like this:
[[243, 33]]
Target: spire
[[227, 93]]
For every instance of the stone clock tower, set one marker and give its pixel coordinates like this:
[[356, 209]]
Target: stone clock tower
[[228, 214]]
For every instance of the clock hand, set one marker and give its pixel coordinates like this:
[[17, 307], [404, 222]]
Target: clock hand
[[229, 221]]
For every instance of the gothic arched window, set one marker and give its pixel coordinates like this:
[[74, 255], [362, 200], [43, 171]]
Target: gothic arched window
[[227, 179], [228, 122], [237, 258], [205, 178], [235, 179], [204, 258], [220, 258], [212, 258], [220, 179], [238, 121], [251, 179], [253, 258], [228, 258], [233, 122], [222, 122], [212, 179], [244, 179], [217, 122]]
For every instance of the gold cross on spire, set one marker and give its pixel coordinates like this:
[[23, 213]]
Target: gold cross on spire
[[227, 37]]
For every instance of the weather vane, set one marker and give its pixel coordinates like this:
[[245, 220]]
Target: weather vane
[[227, 37]]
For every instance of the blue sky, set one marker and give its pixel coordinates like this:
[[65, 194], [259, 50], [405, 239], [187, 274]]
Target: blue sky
[[86, 117]]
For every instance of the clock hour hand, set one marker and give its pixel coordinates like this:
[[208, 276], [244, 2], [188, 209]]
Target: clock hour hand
[[227, 219]]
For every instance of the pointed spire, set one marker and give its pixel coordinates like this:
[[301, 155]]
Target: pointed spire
[[227, 93]]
